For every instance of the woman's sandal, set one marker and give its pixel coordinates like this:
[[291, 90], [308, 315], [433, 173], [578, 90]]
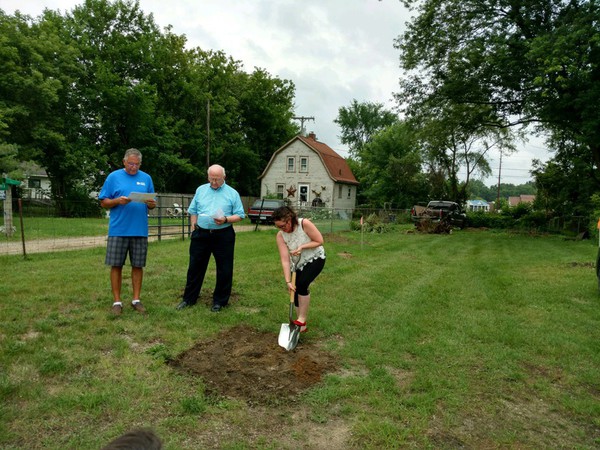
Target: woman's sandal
[[301, 324]]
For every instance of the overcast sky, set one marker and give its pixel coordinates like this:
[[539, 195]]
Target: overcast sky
[[334, 51]]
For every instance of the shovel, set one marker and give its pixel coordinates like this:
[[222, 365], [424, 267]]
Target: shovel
[[290, 332]]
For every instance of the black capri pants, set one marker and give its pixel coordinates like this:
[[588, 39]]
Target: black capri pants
[[306, 276]]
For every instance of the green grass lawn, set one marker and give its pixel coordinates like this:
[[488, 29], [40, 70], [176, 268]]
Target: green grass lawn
[[59, 227], [40, 227], [476, 339]]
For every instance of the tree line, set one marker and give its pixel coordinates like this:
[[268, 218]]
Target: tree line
[[78, 89], [477, 75]]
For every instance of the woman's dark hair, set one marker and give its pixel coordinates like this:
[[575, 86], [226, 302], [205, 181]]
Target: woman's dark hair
[[285, 213]]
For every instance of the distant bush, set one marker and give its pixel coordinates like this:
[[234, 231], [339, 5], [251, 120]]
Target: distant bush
[[481, 219], [316, 214], [519, 211], [371, 224], [533, 219], [521, 216]]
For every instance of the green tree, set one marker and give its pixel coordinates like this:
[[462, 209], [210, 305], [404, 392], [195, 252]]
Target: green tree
[[9, 164], [533, 61], [456, 147], [478, 190], [390, 168], [360, 122], [117, 98], [565, 184], [250, 117], [217, 85], [77, 90], [267, 109], [37, 77]]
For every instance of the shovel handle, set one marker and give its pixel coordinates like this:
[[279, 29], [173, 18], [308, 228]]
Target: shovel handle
[[294, 285]]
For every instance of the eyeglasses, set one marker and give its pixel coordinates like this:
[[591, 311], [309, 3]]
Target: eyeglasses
[[132, 164], [281, 227], [215, 180]]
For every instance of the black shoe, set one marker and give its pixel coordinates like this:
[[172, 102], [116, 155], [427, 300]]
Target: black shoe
[[216, 308], [183, 305]]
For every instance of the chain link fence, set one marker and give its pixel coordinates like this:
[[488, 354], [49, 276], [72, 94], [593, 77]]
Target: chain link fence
[[36, 225]]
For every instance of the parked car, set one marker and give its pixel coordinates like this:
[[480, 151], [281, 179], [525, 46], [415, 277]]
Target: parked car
[[261, 210]]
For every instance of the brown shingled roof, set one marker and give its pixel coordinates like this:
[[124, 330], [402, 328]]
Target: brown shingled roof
[[336, 166], [523, 198]]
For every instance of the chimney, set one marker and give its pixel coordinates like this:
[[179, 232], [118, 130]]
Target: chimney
[[312, 135]]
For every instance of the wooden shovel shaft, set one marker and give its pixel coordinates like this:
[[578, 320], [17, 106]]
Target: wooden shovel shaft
[[292, 292], [294, 285]]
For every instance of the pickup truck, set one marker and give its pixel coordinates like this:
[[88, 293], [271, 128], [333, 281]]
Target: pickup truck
[[449, 213]]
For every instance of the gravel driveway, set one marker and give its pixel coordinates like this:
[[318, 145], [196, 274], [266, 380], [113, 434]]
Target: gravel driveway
[[82, 242]]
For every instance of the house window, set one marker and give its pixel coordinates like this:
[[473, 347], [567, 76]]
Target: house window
[[340, 191], [35, 184], [349, 192], [303, 193], [291, 164], [280, 188], [304, 164]]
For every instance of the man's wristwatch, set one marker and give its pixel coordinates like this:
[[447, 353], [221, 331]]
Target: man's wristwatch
[[226, 219]]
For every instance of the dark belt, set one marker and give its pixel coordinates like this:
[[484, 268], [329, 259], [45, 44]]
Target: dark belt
[[212, 230]]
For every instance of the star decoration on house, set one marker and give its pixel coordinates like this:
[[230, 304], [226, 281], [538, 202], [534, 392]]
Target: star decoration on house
[[291, 191]]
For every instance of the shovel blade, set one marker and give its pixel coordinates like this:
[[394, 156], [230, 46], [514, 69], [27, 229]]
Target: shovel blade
[[288, 336]]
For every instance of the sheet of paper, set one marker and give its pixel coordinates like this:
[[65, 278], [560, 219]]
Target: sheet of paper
[[141, 197], [218, 214]]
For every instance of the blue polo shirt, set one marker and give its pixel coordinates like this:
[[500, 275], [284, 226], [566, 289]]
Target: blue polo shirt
[[207, 202], [130, 219]]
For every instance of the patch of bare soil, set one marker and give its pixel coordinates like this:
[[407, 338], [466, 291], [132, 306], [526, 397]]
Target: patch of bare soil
[[338, 238], [249, 365]]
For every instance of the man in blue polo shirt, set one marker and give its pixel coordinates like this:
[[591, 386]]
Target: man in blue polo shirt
[[213, 209], [128, 226]]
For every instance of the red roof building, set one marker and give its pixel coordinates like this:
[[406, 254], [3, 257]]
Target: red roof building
[[309, 173]]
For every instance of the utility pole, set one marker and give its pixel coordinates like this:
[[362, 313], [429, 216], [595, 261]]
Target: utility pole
[[303, 119], [499, 173], [207, 134]]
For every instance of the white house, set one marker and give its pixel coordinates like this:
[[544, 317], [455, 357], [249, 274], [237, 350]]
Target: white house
[[36, 184], [309, 173], [477, 205]]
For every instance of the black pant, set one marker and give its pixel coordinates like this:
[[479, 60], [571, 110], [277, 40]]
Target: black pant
[[204, 243], [306, 276]]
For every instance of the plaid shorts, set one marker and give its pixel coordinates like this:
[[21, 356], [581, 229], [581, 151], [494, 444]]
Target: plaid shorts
[[117, 248]]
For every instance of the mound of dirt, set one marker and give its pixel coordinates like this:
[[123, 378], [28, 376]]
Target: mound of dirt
[[248, 364]]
